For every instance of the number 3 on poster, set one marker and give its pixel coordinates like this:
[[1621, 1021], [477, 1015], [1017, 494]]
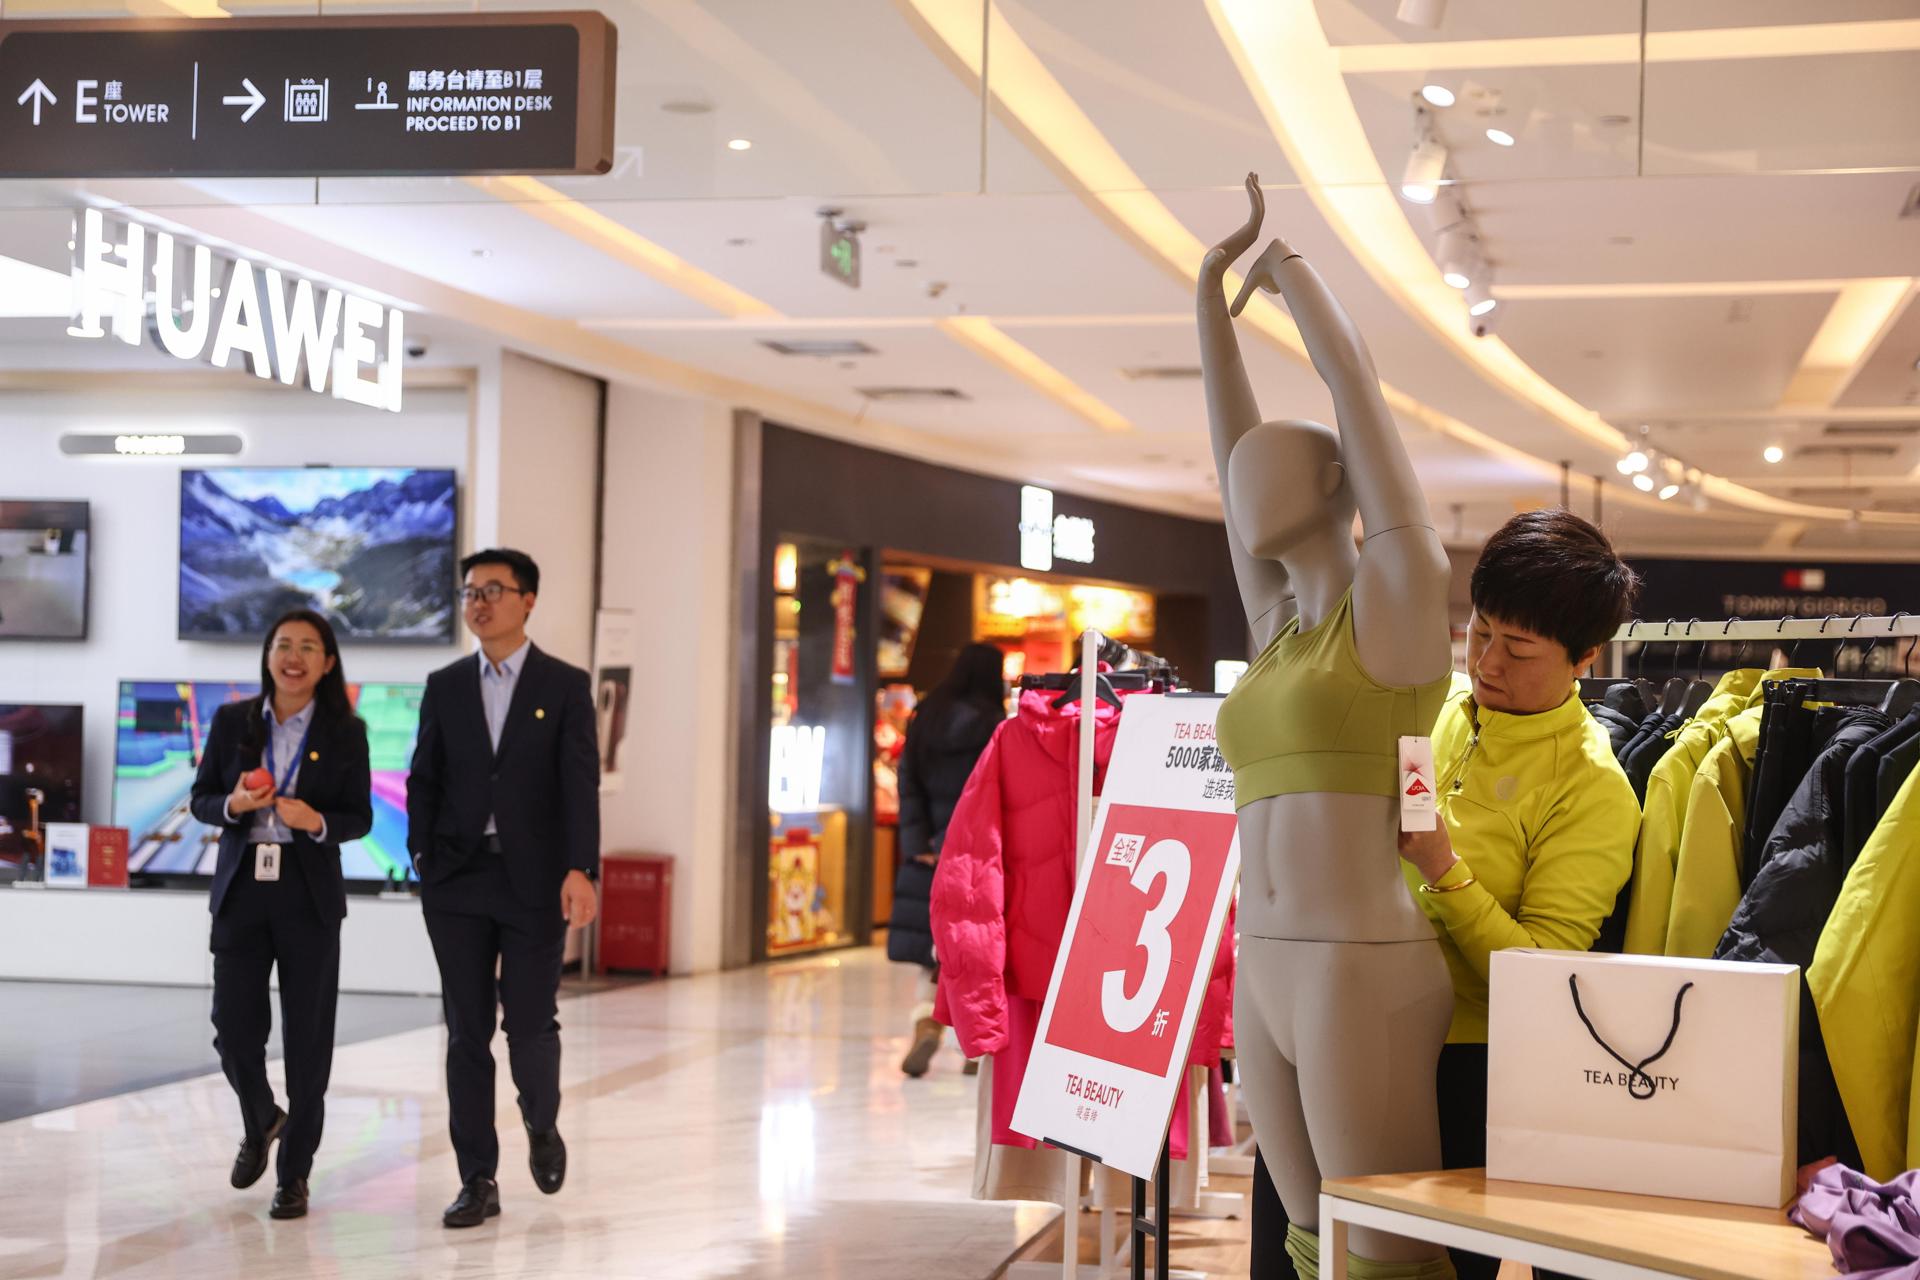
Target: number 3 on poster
[[1137, 950]]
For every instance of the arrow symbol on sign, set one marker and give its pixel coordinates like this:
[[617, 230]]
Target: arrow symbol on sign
[[252, 100], [39, 92]]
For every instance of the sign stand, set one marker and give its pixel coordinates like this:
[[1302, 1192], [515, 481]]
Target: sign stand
[[1153, 881]]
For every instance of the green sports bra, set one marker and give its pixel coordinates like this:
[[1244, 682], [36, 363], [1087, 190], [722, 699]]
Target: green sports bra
[[1307, 717]]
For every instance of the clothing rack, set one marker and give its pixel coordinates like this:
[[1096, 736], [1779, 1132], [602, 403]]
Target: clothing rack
[[1860, 629]]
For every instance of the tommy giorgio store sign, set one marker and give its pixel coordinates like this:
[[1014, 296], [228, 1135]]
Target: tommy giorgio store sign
[[139, 284], [403, 95]]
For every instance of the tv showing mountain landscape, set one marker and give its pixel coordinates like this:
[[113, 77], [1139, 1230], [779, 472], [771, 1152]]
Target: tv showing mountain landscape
[[161, 732], [371, 548]]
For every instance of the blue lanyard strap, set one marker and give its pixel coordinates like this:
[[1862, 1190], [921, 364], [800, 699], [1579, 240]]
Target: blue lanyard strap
[[281, 780]]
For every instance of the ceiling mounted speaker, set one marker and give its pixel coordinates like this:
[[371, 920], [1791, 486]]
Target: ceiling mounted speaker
[[1422, 13]]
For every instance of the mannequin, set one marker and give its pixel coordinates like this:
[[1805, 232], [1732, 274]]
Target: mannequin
[[1344, 998]]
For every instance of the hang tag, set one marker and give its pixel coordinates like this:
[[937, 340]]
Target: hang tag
[[266, 862], [1418, 804]]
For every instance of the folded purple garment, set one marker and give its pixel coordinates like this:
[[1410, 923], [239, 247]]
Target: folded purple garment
[[1872, 1228]]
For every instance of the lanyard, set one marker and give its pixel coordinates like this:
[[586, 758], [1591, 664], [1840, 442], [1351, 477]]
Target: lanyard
[[280, 780]]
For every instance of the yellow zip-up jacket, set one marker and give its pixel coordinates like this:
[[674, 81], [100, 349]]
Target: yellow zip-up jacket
[[1543, 819], [1664, 813], [1706, 865], [1865, 980]]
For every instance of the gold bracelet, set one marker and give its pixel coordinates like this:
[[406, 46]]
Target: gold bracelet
[[1452, 888]]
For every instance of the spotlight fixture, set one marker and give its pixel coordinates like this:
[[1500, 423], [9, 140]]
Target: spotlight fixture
[[1480, 299], [1668, 490], [1422, 13], [1420, 182], [1774, 453], [1437, 94], [1633, 464], [1457, 253], [1500, 137], [1643, 482]]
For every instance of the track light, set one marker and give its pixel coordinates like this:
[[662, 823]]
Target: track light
[[1426, 166], [1422, 13], [1457, 253], [1633, 464], [1480, 299], [1668, 490], [1643, 482], [1774, 453], [1438, 94]]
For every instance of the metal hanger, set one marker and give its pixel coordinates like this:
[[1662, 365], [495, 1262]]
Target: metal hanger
[[1673, 694], [1698, 689]]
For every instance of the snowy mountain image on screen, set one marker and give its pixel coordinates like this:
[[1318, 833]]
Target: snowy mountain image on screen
[[371, 548]]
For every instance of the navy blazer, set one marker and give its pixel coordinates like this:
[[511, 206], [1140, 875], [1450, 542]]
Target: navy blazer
[[542, 786], [335, 779]]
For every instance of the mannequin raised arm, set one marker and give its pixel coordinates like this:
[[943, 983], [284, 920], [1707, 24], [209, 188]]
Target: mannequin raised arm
[[1402, 580], [1232, 411]]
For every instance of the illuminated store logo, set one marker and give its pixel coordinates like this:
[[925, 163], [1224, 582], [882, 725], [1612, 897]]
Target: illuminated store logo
[[799, 761], [146, 282], [1045, 537]]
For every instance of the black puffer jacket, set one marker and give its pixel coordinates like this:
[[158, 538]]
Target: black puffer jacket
[[1802, 869], [944, 742]]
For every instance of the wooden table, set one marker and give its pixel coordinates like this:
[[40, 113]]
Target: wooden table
[[1596, 1234]]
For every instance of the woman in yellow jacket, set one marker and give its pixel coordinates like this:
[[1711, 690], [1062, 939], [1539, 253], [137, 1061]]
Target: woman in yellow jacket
[[1539, 820]]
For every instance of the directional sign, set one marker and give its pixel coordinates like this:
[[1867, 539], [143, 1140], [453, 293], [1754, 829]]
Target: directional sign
[[308, 97]]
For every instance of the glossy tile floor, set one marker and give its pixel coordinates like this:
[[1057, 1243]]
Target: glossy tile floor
[[68, 1042], [751, 1124]]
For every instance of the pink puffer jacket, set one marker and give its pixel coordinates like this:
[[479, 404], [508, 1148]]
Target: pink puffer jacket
[[1005, 880]]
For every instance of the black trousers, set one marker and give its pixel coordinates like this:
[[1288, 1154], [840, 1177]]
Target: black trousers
[[261, 925], [479, 928]]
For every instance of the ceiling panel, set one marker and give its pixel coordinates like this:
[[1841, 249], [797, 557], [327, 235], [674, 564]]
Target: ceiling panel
[[1891, 375], [1759, 115], [1620, 355], [1374, 21]]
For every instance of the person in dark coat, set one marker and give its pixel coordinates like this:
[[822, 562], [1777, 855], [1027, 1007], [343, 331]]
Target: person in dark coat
[[944, 741]]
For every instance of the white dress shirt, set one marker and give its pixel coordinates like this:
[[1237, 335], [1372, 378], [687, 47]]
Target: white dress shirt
[[496, 697], [283, 749]]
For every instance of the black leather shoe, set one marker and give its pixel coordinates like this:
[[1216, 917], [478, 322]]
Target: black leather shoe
[[477, 1201], [252, 1160], [290, 1201], [547, 1157]]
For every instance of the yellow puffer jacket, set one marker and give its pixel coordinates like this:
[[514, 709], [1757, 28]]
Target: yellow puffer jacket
[[1865, 981]]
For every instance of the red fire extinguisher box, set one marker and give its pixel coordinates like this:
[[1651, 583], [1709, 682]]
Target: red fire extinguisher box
[[636, 907]]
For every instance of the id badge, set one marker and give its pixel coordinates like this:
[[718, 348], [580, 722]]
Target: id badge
[[266, 862]]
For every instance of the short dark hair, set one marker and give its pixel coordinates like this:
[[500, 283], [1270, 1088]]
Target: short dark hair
[[1555, 575], [526, 574]]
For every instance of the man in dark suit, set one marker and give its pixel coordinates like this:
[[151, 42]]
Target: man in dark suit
[[503, 821]]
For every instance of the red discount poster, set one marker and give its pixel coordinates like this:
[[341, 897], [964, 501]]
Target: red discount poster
[[847, 577], [1149, 909]]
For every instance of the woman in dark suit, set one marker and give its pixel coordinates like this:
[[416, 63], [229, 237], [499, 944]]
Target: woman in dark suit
[[285, 778]]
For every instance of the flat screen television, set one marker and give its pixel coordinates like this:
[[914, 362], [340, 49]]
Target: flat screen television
[[371, 548], [43, 570], [160, 733], [40, 764]]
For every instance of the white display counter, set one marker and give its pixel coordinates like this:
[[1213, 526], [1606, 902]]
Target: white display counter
[[159, 937]]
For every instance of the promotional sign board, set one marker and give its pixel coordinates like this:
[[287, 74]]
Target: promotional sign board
[[1147, 917], [345, 96]]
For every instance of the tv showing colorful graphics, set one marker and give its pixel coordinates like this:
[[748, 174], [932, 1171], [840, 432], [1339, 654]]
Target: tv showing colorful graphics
[[371, 548], [43, 570], [160, 733], [40, 762]]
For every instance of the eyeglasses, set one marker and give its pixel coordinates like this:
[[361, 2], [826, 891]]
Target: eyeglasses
[[491, 592], [306, 648]]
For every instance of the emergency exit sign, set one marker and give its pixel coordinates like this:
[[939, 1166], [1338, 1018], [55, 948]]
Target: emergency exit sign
[[388, 95]]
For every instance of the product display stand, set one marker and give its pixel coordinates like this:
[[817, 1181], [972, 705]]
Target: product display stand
[[1595, 1234]]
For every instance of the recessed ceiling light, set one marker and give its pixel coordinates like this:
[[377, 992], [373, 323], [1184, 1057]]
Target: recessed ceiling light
[[1438, 94], [1500, 137], [1774, 453], [740, 144]]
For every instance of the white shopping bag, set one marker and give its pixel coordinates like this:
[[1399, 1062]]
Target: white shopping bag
[[1644, 1074]]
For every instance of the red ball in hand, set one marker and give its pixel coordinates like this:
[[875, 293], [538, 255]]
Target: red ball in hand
[[256, 779]]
